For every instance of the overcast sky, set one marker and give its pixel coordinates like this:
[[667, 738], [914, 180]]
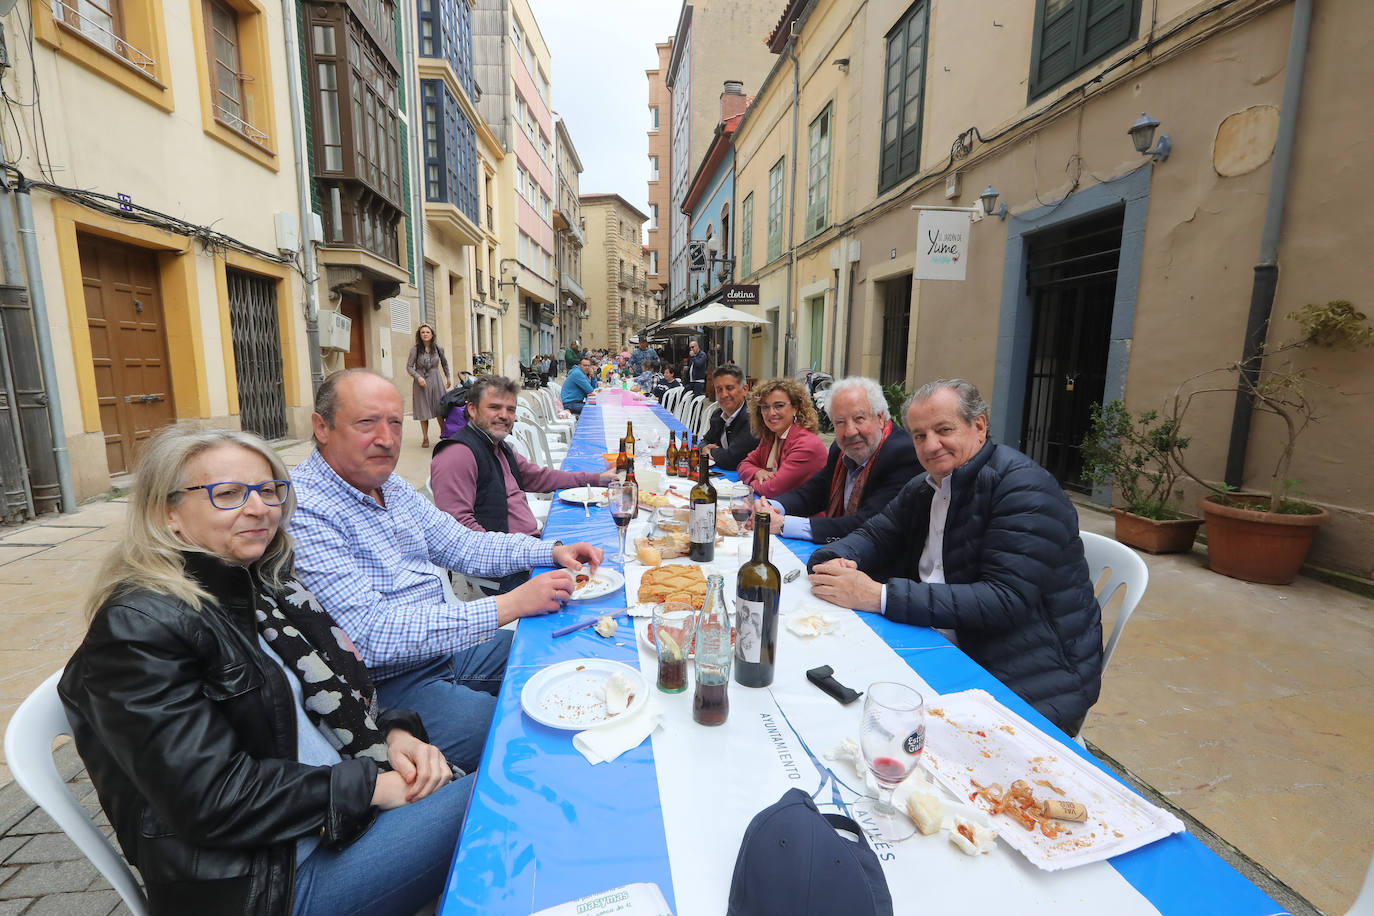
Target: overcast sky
[[600, 50]]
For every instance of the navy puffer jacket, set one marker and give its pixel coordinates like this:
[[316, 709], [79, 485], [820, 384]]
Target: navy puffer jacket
[[1016, 588]]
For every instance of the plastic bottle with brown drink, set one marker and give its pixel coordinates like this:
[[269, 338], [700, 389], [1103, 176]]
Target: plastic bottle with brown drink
[[711, 666]]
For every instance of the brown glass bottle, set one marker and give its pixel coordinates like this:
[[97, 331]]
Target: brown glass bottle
[[621, 461], [684, 457], [670, 457], [630, 438], [702, 520], [756, 612]]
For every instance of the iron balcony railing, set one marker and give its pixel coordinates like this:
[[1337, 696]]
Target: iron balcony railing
[[89, 26], [235, 122]]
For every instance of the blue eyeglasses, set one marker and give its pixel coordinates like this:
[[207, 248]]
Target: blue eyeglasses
[[230, 494]]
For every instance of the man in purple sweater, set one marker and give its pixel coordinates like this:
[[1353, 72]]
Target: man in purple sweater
[[481, 481]]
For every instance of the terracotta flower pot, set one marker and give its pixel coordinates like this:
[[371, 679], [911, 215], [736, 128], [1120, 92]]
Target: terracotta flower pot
[[1152, 536], [1255, 546]]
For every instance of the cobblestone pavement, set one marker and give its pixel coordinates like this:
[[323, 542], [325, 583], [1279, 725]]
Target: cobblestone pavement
[[1234, 702]]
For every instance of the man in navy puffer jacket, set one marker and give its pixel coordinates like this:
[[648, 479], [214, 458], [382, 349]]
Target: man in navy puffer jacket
[[985, 548]]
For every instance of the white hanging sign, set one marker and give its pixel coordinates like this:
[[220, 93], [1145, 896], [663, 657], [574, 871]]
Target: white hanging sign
[[942, 238]]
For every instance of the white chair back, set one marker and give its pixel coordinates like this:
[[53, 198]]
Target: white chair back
[[1125, 570], [694, 412], [670, 399], [28, 753], [684, 406], [707, 413], [520, 442]]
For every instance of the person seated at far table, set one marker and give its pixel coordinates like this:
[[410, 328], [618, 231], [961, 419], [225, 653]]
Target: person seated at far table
[[577, 386], [789, 451], [666, 382], [481, 481], [869, 463], [984, 548], [231, 731], [374, 552], [728, 438]]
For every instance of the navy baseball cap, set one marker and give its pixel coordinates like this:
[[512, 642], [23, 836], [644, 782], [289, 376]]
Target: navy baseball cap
[[793, 862]]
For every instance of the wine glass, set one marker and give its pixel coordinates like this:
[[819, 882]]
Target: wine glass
[[892, 735], [742, 507], [624, 497]]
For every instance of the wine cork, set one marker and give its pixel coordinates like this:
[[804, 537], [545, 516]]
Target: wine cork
[[1065, 810]]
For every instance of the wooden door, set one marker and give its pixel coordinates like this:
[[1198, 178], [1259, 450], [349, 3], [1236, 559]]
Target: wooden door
[[128, 345], [352, 306]]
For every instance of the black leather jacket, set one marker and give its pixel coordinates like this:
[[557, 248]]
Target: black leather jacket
[[188, 730]]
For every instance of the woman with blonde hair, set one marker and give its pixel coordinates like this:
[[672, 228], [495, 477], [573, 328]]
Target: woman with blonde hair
[[789, 450], [230, 728]]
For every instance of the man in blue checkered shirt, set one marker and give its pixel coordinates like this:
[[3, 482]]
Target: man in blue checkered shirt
[[374, 552]]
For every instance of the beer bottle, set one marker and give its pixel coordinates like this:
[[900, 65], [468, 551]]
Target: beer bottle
[[696, 449], [702, 520], [630, 438], [711, 700], [621, 462], [670, 457], [630, 478], [684, 457], [756, 612]]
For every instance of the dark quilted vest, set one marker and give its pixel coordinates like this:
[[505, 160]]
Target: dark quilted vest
[[489, 505]]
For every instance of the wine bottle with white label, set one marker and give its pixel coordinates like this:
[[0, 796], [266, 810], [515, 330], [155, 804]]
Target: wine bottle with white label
[[702, 524], [756, 612]]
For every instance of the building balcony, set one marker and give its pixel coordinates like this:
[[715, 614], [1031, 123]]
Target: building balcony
[[448, 220], [572, 288]]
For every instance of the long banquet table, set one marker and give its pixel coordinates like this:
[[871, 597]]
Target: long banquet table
[[545, 827]]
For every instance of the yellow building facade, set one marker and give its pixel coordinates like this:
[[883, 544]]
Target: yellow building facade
[[1116, 275]]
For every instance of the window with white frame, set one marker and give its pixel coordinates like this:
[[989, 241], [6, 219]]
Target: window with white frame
[[775, 176], [818, 174], [746, 236]]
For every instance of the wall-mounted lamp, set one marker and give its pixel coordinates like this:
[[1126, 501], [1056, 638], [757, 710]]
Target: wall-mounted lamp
[[1143, 134], [989, 200], [842, 63]]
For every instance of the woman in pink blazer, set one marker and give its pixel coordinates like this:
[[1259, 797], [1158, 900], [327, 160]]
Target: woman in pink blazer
[[789, 452]]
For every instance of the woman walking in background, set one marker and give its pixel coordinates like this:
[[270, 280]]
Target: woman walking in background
[[425, 363]]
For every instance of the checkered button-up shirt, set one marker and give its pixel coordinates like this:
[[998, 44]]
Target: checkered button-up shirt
[[373, 567]]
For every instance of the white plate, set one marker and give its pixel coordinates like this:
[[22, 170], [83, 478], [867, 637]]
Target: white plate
[[578, 495], [603, 583], [571, 695]]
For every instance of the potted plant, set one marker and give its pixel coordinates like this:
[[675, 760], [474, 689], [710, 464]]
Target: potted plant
[[1265, 537], [1137, 456]]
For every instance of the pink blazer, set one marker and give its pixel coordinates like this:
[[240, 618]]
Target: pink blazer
[[803, 455]]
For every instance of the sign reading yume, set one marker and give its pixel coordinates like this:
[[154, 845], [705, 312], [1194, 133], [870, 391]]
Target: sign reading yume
[[733, 294], [942, 245]]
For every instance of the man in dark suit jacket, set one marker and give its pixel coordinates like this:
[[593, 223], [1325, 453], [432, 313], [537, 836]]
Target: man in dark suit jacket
[[728, 439], [869, 463], [694, 369]]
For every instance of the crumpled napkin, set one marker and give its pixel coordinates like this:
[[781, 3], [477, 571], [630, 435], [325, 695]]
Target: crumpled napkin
[[607, 742], [812, 624], [849, 749]]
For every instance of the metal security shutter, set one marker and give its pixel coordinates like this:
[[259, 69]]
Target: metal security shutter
[[257, 353]]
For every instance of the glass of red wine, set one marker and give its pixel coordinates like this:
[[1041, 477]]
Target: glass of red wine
[[892, 735], [742, 507], [624, 497]]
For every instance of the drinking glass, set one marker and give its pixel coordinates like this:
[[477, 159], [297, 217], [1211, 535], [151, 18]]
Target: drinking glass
[[674, 629], [742, 508], [892, 735], [624, 497]]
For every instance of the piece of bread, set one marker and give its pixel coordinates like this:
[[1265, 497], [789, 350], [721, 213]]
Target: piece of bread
[[678, 583], [652, 499], [726, 525], [648, 555], [669, 544]]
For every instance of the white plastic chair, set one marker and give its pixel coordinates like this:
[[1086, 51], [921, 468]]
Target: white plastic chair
[[1364, 904], [671, 398], [28, 753], [548, 408], [552, 451], [533, 413], [684, 407], [707, 413], [1126, 570], [694, 413]]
